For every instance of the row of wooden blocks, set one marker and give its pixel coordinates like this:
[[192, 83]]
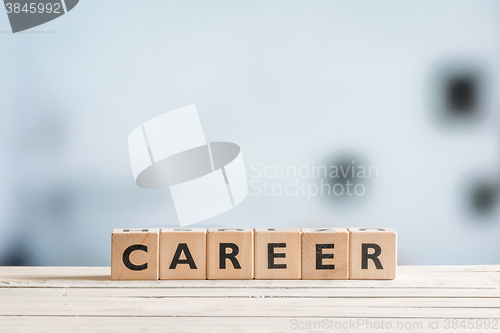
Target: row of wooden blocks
[[198, 254]]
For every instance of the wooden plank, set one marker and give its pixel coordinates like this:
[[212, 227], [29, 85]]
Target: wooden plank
[[82, 298], [409, 277], [271, 292], [276, 308], [206, 324], [10, 296]]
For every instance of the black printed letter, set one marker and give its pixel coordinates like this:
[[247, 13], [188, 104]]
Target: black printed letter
[[126, 257], [374, 256], [182, 247], [271, 255], [320, 255], [231, 256]]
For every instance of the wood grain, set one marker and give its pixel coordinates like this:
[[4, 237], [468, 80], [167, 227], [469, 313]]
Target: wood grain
[[54, 299], [282, 260], [239, 267], [332, 242], [179, 244], [380, 253], [144, 259]]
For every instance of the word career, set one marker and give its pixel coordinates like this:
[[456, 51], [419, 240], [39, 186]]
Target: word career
[[198, 254]]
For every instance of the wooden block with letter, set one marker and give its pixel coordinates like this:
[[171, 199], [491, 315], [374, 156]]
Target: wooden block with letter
[[325, 254], [277, 253], [183, 254], [372, 253], [229, 254], [134, 254]]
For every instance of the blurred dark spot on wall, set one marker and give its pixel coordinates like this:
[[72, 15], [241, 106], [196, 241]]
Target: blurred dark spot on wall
[[16, 254], [345, 163], [484, 198], [458, 93], [461, 95]]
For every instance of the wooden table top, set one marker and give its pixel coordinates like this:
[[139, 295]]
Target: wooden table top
[[85, 299]]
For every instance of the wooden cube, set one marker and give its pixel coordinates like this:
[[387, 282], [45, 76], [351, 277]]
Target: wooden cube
[[134, 254], [277, 253], [183, 254], [325, 254], [372, 253], [229, 254]]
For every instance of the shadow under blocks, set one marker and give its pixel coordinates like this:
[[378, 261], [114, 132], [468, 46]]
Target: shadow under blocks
[[244, 254]]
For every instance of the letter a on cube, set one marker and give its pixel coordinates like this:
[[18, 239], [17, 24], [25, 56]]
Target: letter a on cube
[[183, 254], [372, 253]]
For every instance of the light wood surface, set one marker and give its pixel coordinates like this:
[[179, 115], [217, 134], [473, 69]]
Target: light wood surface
[[325, 254], [183, 254], [277, 253], [372, 253], [62, 299], [134, 254], [237, 255]]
